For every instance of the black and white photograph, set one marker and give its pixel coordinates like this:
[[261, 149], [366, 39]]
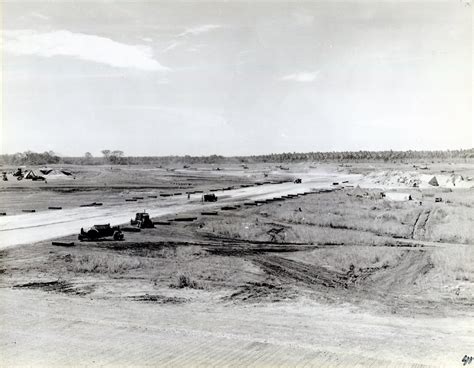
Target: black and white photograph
[[236, 183]]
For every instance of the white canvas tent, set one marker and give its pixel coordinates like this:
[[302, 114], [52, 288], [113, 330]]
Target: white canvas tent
[[399, 197]]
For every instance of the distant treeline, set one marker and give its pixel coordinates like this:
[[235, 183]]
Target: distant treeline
[[368, 156], [30, 158], [118, 158]]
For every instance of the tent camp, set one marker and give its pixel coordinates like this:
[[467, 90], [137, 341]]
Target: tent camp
[[358, 192], [29, 174], [434, 182], [456, 179], [51, 173], [45, 170]]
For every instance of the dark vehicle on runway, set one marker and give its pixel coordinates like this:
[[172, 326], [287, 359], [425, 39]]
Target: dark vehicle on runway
[[142, 220], [101, 231], [211, 197]]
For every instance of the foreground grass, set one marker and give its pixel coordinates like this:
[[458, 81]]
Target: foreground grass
[[453, 265], [104, 263]]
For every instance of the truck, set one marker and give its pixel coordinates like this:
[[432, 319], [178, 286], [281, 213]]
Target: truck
[[210, 197], [101, 231]]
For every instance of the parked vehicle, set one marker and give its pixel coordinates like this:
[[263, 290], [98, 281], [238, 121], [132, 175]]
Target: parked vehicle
[[142, 220], [211, 197], [101, 231]]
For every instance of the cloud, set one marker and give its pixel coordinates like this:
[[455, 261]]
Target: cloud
[[39, 16], [81, 46], [191, 32], [301, 77], [172, 46], [200, 29]]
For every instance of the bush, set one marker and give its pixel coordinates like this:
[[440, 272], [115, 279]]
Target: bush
[[184, 281]]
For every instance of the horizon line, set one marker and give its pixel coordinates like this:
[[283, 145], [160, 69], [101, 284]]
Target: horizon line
[[251, 155]]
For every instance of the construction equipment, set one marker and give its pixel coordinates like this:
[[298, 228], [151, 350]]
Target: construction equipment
[[101, 231], [18, 172], [142, 220], [297, 181], [211, 197]]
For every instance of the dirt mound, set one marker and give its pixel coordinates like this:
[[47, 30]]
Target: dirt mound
[[416, 179], [410, 267]]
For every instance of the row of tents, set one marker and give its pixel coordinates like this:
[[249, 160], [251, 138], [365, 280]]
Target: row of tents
[[49, 171], [40, 174]]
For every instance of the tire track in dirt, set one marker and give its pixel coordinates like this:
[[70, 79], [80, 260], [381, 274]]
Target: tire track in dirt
[[411, 265], [415, 224], [310, 275], [419, 228]]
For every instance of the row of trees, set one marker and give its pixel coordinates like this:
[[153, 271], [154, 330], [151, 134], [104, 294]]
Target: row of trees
[[366, 156], [30, 158], [114, 157], [117, 157], [109, 157]]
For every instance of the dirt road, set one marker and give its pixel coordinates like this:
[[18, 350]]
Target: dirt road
[[40, 226], [299, 334]]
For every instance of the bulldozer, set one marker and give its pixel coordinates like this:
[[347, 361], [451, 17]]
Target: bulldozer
[[211, 197], [101, 231], [142, 220]]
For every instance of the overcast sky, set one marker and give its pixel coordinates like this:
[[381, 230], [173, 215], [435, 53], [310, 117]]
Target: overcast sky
[[161, 78]]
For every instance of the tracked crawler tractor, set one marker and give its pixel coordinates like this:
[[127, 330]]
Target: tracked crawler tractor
[[142, 220]]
